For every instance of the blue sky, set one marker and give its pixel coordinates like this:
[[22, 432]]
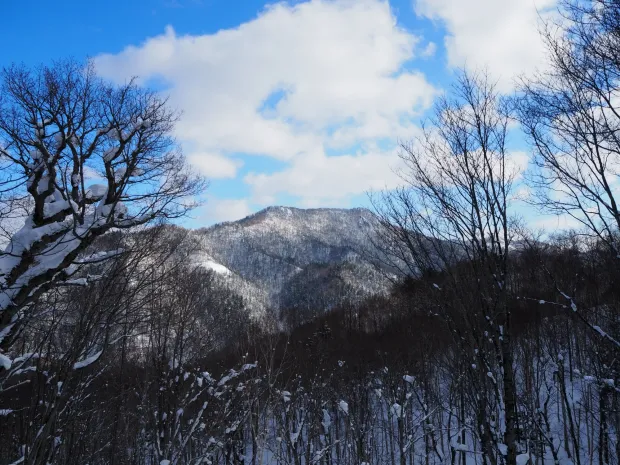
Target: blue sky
[[293, 103]]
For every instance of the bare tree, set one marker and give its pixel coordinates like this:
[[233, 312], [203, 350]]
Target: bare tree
[[451, 220], [82, 156], [571, 114]]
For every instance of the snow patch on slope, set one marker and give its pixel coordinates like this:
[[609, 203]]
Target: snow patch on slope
[[217, 267]]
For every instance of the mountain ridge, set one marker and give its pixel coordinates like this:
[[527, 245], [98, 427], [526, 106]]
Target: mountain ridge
[[272, 249]]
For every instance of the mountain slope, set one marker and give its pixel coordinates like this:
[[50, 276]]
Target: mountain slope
[[277, 246]]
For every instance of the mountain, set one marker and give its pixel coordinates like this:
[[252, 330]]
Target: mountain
[[297, 258]]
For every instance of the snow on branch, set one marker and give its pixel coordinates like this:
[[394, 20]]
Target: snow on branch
[[87, 361]]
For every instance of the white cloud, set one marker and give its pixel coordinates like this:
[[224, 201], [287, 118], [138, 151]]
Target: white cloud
[[516, 163], [556, 223], [499, 34], [218, 210], [319, 180], [429, 50], [289, 84], [215, 165]]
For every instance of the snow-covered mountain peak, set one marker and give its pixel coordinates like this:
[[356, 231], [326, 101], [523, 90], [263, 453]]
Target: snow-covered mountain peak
[[319, 223], [273, 246]]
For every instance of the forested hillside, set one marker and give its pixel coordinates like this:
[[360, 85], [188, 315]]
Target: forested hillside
[[300, 261]]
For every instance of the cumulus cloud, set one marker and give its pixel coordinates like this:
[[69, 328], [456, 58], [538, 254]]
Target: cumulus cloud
[[319, 180], [556, 223], [501, 35], [516, 163], [218, 210], [429, 50], [290, 84], [215, 165]]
